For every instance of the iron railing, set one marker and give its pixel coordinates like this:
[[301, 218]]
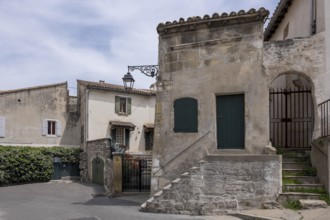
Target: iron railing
[[176, 156], [325, 113]]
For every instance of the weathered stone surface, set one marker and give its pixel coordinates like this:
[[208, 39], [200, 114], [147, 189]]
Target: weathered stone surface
[[312, 204], [222, 184]]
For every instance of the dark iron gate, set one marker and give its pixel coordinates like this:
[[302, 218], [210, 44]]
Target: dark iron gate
[[136, 174], [291, 117]]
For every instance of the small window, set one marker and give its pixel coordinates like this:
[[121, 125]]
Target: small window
[[123, 105], [51, 128], [120, 136], [186, 115], [149, 139]]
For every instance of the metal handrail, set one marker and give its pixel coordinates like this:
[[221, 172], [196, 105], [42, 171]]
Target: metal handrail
[[168, 162], [325, 115]]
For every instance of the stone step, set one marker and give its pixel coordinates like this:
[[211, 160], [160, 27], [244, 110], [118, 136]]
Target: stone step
[[294, 159], [304, 179], [295, 172], [294, 165], [312, 204], [298, 187], [285, 196]]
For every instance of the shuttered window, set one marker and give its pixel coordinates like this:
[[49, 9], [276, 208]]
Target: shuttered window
[[2, 127], [186, 115], [149, 137], [123, 105], [51, 128]]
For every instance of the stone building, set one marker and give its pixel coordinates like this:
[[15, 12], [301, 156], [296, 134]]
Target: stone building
[[39, 116], [213, 136], [212, 116]]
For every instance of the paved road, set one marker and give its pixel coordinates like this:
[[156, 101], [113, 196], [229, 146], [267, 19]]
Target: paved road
[[66, 200]]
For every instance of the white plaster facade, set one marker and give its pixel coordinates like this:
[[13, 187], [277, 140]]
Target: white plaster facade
[[25, 114], [97, 112]]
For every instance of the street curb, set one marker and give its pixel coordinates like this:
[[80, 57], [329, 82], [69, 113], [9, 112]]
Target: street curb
[[251, 217]]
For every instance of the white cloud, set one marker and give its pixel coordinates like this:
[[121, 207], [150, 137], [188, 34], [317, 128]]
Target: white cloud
[[53, 41]]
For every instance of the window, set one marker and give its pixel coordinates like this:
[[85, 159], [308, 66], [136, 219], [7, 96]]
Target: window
[[120, 136], [51, 128], [149, 139], [123, 105], [2, 127], [186, 115]]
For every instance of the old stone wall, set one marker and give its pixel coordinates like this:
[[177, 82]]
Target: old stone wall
[[204, 61], [222, 184], [320, 156], [304, 56], [98, 148]]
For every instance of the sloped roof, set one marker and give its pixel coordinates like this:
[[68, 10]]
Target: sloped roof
[[278, 15], [216, 19], [114, 87], [33, 88]]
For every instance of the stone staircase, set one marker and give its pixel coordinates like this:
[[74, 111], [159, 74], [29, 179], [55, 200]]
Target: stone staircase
[[300, 182], [220, 184]]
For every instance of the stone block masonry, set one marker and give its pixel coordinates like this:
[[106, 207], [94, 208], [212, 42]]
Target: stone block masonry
[[221, 184]]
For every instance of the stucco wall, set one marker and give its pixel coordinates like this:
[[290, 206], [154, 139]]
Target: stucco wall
[[24, 111], [202, 64], [101, 110], [299, 17]]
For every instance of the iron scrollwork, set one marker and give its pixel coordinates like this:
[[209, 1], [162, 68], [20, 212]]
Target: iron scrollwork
[[148, 70]]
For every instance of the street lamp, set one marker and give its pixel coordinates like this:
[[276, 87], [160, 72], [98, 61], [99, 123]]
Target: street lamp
[[148, 70]]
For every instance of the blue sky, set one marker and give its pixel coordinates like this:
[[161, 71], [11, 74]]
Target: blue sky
[[52, 41]]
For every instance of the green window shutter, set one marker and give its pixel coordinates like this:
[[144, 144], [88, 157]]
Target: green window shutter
[[117, 104], [129, 106], [127, 138], [186, 115]]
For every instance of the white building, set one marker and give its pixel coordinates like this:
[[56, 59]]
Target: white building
[[108, 110]]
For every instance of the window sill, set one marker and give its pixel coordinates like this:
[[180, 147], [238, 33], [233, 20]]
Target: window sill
[[122, 114], [51, 136]]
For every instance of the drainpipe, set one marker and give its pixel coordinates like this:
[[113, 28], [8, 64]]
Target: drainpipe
[[313, 20]]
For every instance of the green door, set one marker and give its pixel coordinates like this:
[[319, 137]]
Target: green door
[[230, 121], [98, 171]]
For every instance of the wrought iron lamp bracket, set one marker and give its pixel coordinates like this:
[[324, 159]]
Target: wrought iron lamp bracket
[[148, 70]]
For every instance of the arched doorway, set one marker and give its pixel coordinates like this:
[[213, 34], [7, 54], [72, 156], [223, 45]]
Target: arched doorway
[[291, 111], [98, 171]]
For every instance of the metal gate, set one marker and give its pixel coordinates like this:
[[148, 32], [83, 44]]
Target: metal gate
[[136, 174], [291, 117]]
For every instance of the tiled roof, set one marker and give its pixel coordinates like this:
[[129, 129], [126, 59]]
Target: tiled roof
[[224, 19], [277, 17], [33, 88], [114, 87]]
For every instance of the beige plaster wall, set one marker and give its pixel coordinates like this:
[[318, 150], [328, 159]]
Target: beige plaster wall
[[101, 110], [24, 118], [299, 18]]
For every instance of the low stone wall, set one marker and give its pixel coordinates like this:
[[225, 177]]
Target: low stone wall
[[222, 184], [320, 154]]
